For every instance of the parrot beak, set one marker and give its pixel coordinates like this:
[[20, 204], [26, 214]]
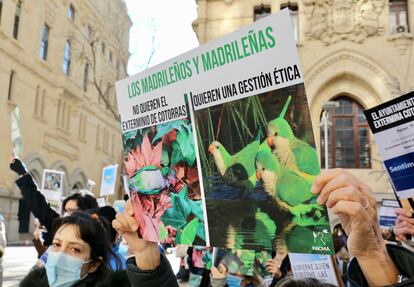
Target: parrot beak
[[270, 141], [258, 175], [211, 149]]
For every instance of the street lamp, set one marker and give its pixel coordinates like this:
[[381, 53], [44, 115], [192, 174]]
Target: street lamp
[[326, 107]]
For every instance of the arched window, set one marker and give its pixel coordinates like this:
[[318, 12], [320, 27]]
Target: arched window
[[44, 43], [71, 13], [17, 19], [76, 187], [66, 58], [348, 136], [261, 11], [85, 77]]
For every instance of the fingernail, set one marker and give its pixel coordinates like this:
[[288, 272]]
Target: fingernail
[[313, 188], [134, 227], [409, 213], [319, 200]]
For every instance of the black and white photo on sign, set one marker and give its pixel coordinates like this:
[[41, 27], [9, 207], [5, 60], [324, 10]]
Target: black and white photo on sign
[[52, 187]]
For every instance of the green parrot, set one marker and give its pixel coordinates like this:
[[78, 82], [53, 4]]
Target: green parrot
[[290, 191], [237, 169], [292, 152]]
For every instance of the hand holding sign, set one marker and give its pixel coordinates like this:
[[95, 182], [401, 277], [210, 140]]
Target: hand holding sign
[[17, 165], [405, 223], [354, 203], [219, 273], [146, 253], [273, 266]]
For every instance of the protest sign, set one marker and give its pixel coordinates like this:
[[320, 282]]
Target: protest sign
[[387, 216], [244, 262], [52, 187], [316, 266], [240, 262], [125, 183], [16, 132], [119, 205], [392, 124], [90, 185], [235, 111], [101, 201], [108, 180], [261, 258], [201, 257]]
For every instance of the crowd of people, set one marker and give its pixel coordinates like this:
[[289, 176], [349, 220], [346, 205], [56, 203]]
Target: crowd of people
[[87, 245]]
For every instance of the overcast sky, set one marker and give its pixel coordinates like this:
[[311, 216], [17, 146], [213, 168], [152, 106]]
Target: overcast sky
[[170, 23]]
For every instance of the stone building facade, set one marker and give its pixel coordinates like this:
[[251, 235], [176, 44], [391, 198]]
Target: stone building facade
[[59, 60], [355, 52]]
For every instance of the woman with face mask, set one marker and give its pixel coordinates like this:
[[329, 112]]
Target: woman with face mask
[[78, 257]]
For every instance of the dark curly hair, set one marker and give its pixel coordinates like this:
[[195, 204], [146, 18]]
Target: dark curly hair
[[92, 230]]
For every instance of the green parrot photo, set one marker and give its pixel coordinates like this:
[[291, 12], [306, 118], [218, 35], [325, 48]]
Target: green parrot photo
[[291, 192], [237, 169], [292, 152]]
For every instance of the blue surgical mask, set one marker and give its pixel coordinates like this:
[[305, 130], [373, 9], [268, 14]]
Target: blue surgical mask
[[63, 270], [233, 281]]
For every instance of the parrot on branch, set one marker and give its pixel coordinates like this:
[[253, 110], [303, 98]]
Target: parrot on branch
[[291, 192], [292, 152]]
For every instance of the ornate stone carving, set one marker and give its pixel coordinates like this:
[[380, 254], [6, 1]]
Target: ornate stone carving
[[333, 20], [402, 41], [391, 82]]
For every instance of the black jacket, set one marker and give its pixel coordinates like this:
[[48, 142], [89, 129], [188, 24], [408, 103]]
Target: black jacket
[[162, 276], [37, 204], [402, 258]]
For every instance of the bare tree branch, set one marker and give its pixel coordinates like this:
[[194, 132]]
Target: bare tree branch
[[153, 30], [102, 79]]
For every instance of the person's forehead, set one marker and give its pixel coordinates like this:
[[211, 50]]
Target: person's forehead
[[71, 204], [69, 233]]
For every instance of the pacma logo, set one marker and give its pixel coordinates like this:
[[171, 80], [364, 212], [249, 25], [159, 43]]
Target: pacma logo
[[318, 237], [320, 248]]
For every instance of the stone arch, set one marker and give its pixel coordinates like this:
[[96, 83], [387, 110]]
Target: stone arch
[[35, 165], [78, 178], [351, 65], [60, 165], [345, 84], [350, 73]]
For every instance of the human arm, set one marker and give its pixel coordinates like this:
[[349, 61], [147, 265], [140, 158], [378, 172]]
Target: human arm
[[148, 267], [32, 196], [356, 207], [38, 245], [37, 241], [2, 236]]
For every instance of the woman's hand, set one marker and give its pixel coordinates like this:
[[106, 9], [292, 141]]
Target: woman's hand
[[273, 266], [404, 224], [17, 165], [356, 207], [219, 273], [147, 254]]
